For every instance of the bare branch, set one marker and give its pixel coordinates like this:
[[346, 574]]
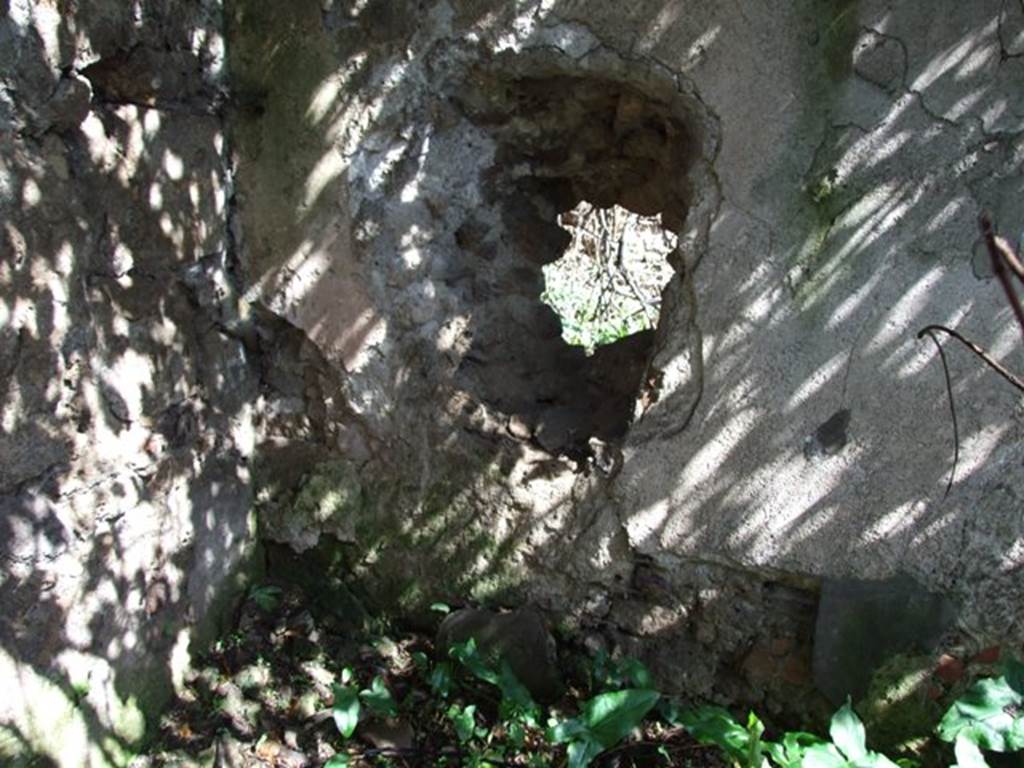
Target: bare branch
[[1004, 261], [990, 361], [930, 332]]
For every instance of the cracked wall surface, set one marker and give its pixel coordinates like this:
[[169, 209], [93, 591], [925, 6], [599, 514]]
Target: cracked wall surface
[[787, 427], [126, 423], [299, 267]]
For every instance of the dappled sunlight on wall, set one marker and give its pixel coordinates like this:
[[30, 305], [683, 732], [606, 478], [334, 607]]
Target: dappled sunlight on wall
[[125, 427]]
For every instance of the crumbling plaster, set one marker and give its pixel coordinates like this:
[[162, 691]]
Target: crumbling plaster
[[790, 424], [290, 255]]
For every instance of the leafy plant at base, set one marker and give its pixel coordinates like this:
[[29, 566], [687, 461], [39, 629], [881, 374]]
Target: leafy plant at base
[[464, 720], [517, 705], [345, 710], [266, 597], [379, 699], [746, 748], [715, 725], [605, 720], [613, 674], [988, 716], [348, 700], [848, 747]]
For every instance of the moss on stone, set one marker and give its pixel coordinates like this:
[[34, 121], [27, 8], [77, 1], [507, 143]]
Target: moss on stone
[[408, 546], [333, 490], [898, 713]]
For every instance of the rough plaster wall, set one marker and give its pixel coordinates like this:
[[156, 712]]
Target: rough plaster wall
[[125, 502], [889, 130], [790, 427]]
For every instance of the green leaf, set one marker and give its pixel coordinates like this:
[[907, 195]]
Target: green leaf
[[566, 730], [1015, 735], [847, 732], [464, 720], [468, 656], [379, 699], [583, 751], [345, 710], [714, 725], [636, 673], [440, 608], [967, 754], [1013, 671], [516, 734], [790, 752], [823, 756], [982, 716], [266, 597], [338, 761], [441, 679], [516, 701], [755, 748], [874, 760], [611, 717]]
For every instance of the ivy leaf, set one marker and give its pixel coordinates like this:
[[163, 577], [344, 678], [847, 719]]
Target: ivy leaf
[[967, 753], [566, 730], [379, 699], [516, 734], [583, 751], [516, 701], [823, 756], [345, 710], [611, 717], [982, 716], [467, 654], [441, 679], [421, 660], [1014, 674], [636, 672], [790, 752], [847, 732], [755, 749], [875, 760], [714, 725], [464, 720]]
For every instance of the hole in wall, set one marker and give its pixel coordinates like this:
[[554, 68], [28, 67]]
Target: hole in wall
[[572, 153], [608, 284]]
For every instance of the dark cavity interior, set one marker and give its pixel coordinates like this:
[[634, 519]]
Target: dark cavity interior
[[561, 139]]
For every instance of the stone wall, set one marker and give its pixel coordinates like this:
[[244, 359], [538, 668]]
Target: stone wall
[[401, 166], [301, 269], [126, 424]]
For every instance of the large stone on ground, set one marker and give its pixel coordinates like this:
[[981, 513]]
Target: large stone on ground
[[861, 624], [519, 637]]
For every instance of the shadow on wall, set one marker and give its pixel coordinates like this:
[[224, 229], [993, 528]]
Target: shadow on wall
[[878, 245], [125, 435], [763, 444], [130, 366], [749, 404]]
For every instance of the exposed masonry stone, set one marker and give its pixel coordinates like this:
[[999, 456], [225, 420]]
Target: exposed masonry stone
[[227, 281]]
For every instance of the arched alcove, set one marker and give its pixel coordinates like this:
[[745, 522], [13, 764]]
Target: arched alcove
[[563, 142]]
